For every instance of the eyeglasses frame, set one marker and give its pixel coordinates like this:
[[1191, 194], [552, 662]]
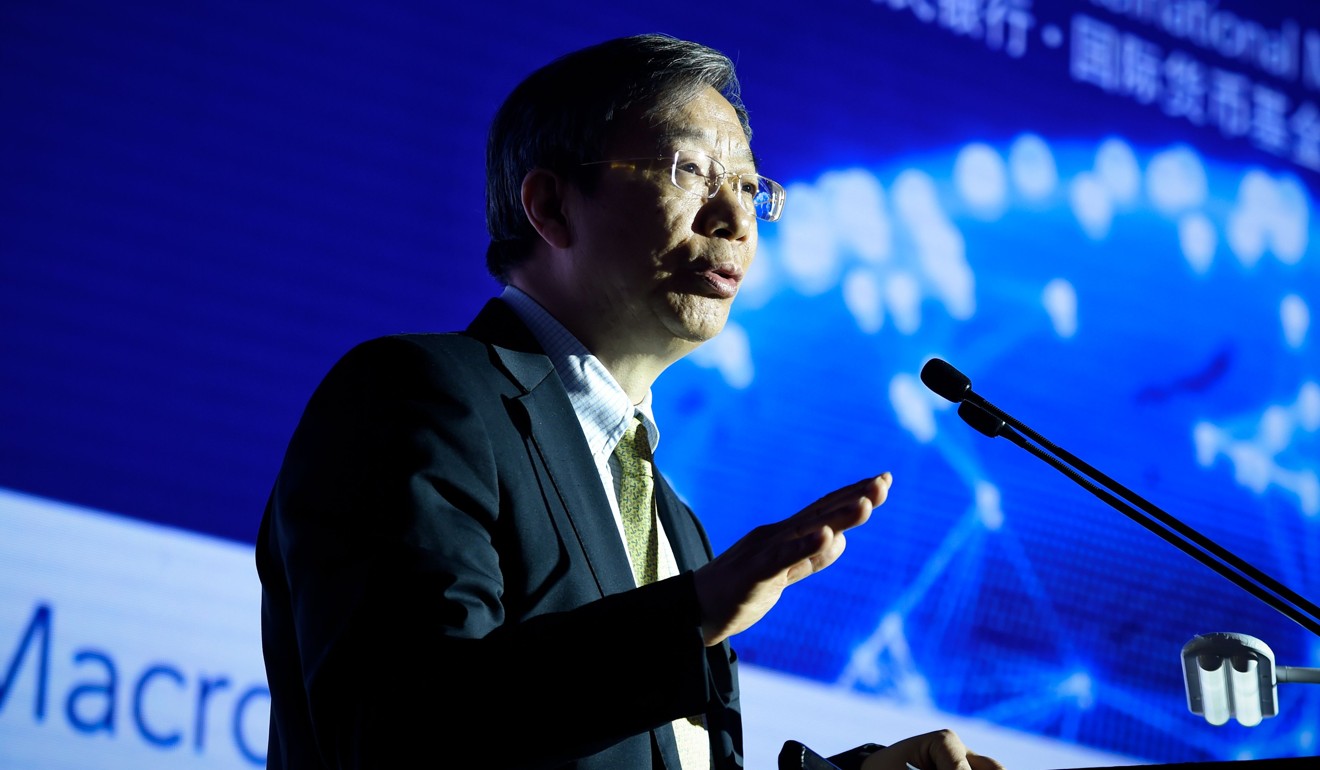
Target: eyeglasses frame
[[713, 185]]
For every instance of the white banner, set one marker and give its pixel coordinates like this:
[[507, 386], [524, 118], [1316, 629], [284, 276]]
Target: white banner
[[132, 645], [125, 644]]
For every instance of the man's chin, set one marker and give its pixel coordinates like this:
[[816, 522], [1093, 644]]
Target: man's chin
[[692, 335], [698, 318], [701, 328]]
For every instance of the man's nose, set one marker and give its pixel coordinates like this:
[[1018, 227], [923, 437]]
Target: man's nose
[[725, 216]]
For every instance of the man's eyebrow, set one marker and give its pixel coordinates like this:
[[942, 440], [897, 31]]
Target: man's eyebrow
[[681, 132]]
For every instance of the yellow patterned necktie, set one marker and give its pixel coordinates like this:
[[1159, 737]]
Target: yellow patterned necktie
[[637, 509], [636, 502]]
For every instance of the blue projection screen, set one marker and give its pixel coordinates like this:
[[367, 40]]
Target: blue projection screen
[[1100, 210]]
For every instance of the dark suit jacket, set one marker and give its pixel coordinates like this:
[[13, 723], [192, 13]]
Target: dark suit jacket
[[443, 584]]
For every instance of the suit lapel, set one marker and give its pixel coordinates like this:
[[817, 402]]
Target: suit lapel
[[691, 550], [556, 438], [687, 542]]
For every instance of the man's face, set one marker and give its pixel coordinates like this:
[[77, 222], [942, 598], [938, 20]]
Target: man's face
[[657, 268]]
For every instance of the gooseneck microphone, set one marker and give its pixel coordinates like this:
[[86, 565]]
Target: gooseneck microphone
[[945, 381], [952, 385], [983, 421]]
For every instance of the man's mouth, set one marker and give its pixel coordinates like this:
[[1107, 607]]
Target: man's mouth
[[722, 280]]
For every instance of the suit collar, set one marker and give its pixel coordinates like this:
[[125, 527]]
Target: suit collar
[[555, 430], [513, 346], [601, 404], [556, 437]]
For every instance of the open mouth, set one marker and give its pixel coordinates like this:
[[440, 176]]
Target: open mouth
[[721, 280]]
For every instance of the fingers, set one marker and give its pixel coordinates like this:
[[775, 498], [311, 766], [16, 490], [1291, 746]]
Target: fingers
[[979, 762], [831, 548], [873, 488], [945, 751], [845, 507], [739, 586], [940, 750], [816, 533]]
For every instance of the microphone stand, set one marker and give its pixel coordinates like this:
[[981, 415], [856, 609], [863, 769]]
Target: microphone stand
[[988, 419]]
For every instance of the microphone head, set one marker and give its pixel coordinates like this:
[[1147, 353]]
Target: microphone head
[[946, 382], [978, 418]]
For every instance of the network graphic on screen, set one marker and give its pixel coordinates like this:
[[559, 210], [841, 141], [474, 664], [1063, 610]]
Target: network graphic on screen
[[888, 253]]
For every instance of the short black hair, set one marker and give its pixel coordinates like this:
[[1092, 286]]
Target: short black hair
[[563, 115]]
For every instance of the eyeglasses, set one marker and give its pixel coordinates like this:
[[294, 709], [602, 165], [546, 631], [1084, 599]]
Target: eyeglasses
[[700, 174]]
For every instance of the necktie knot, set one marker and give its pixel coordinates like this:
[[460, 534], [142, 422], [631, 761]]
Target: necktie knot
[[634, 450]]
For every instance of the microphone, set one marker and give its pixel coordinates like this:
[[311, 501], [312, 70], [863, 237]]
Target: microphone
[[978, 418], [952, 385], [945, 381], [948, 383]]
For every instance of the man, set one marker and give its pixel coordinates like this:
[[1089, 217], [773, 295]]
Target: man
[[466, 561]]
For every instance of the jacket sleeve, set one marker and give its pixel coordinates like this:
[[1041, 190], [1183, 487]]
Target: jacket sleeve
[[383, 551]]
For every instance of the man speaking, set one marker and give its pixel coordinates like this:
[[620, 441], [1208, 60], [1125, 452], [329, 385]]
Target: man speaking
[[468, 559]]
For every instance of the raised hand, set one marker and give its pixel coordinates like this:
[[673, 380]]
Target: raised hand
[[739, 586]]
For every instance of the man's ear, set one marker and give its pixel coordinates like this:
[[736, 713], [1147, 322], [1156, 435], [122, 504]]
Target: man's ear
[[543, 199]]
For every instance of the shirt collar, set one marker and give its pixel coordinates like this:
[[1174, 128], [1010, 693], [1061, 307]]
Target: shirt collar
[[602, 407]]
